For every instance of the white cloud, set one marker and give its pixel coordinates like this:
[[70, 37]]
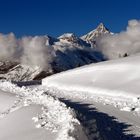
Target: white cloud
[[126, 42], [27, 50], [36, 52], [8, 46]]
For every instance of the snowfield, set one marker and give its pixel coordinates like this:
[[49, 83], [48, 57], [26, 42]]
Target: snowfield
[[31, 114], [116, 82], [91, 102], [111, 87], [6, 101], [97, 101]]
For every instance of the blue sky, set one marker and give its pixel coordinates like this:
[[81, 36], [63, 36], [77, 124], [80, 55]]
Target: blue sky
[[55, 17]]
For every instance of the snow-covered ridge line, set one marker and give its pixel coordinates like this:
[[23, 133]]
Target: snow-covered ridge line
[[89, 91], [58, 116], [122, 102]]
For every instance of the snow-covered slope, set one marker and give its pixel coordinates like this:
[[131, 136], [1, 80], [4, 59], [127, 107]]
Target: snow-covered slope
[[31, 114], [116, 81], [72, 52], [6, 101], [70, 38], [21, 73]]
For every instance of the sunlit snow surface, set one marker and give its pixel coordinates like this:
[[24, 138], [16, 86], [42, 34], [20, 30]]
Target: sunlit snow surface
[[112, 87], [114, 82], [30, 114]]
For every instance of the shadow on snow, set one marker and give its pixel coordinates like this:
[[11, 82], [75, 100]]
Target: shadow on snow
[[99, 123]]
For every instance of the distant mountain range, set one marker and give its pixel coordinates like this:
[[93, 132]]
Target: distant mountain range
[[70, 52]]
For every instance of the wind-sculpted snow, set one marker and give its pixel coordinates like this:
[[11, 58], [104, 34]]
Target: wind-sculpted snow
[[55, 117]]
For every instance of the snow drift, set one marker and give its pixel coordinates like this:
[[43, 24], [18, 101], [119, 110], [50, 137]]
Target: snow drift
[[55, 117], [118, 76]]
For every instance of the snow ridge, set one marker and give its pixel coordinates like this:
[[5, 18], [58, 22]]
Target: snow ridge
[[56, 116], [98, 95]]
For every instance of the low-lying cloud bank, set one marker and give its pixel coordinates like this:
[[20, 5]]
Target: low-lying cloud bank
[[121, 44], [8, 46], [35, 51], [28, 50]]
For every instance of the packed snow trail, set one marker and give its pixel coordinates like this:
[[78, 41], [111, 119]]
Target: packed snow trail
[[111, 123], [33, 115], [106, 120], [112, 88]]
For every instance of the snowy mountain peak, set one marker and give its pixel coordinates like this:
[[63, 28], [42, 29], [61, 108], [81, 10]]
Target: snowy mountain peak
[[67, 35], [101, 28], [91, 36], [70, 37]]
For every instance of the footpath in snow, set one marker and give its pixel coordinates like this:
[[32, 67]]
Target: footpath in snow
[[114, 82], [110, 87], [30, 114]]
